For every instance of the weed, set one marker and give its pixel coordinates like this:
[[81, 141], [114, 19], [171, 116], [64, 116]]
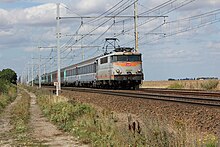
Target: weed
[[8, 94], [19, 120], [210, 141], [210, 84], [176, 86], [20, 114]]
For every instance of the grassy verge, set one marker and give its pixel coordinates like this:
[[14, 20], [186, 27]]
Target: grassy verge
[[8, 93], [104, 128], [19, 120]]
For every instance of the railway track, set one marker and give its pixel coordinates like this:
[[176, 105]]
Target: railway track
[[189, 97], [183, 92]]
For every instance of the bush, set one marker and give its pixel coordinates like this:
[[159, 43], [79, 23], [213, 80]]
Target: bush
[[176, 86], [3, 86], [210, 84], [8, 75]]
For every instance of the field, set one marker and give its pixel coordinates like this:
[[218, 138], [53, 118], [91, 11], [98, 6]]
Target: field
[[191, 84]]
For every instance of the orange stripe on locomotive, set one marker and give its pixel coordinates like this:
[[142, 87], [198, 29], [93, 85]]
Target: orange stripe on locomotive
[[123, 64]]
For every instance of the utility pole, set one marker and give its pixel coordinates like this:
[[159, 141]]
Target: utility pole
[[32, 72], [39, 66], [22, 78], [58, 46], [135, 25], [83, 55], [28, 76], [44, 69]]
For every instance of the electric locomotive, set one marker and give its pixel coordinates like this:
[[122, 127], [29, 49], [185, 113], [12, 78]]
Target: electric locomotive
[[120, 69]]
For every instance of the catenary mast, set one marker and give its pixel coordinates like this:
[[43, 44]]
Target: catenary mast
[[135, 25], [58, 46]]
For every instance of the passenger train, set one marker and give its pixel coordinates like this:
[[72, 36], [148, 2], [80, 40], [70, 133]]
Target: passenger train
[[120, 69]]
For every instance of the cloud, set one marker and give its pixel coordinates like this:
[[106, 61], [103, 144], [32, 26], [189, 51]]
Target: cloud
[[202, 5], [88, 7], [214, 48], [42, 15], [22, 27], [39, 15], [4, 33], [5, 19]]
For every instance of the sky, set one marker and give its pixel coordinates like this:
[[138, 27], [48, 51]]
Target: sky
[[29, 26]]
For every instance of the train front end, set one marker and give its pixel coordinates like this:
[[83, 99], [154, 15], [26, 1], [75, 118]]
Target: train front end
[[127, 68]]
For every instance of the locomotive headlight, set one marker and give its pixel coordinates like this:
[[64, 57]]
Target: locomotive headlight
[[139, 71], [118, 71]]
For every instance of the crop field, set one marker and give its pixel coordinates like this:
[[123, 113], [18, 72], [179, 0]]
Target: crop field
[[188, 84]]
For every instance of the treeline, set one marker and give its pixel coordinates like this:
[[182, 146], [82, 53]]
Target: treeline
[[7, 77]]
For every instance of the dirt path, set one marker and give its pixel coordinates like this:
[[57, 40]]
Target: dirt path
[[46, 132], [5, 126]]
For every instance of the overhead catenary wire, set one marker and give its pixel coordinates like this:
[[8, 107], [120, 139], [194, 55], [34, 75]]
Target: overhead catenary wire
[[73, 43], [106, 21], [215, 17], [99, 17], [110, 11], [69, 42], [167, 3]]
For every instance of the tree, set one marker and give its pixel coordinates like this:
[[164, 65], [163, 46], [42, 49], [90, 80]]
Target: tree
[[8, 75]]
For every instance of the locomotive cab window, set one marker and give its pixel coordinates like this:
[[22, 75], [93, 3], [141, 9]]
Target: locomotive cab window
[[104, 60], [125, 58]]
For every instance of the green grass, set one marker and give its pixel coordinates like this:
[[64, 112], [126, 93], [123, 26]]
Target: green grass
[[20, 114]]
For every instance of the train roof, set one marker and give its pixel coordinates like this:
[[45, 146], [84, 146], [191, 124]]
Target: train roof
[[117, 51], [83, 62]]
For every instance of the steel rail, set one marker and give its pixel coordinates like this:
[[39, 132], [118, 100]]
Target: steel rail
[[183, 92]]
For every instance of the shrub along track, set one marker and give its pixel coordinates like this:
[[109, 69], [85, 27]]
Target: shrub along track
[[200, 117]]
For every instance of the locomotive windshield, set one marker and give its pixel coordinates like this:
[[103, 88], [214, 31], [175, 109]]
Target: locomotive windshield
[[125, 58]]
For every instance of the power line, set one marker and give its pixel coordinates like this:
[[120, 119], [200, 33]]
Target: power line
[[167, 3], [187, 24]]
